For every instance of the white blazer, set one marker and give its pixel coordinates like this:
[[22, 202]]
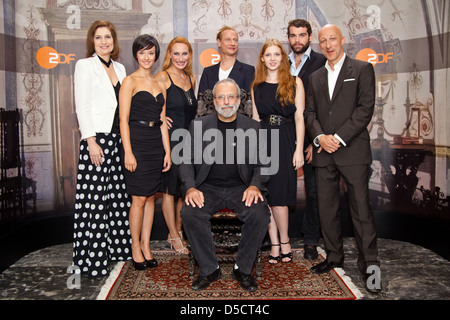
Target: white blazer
[[95, 99]]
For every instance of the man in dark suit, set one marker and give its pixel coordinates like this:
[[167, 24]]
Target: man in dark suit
[[214, 182], [340, 105], [305, 61], [229, 66]]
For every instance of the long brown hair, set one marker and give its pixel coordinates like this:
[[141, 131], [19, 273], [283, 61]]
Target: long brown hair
[[168, 62], [286, 82], [90, 47]]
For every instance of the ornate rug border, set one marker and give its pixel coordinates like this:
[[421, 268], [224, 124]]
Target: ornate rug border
[[119, 272]]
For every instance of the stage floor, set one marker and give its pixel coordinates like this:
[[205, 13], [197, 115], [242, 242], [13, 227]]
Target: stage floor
[[409, 272]]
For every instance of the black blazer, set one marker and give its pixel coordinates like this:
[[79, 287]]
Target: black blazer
[[347, 114], [242, 73], [315, 61], [194, 172]]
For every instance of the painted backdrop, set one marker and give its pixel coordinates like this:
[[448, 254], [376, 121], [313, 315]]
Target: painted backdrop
[[406, 40]]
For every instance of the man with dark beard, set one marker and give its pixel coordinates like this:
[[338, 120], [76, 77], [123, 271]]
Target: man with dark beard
[[305, 61]]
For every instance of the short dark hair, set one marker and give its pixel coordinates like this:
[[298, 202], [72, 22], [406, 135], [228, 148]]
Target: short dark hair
[[300, 23], [145, 42]]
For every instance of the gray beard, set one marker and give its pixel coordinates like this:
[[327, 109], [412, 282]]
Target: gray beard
[[227, 114]]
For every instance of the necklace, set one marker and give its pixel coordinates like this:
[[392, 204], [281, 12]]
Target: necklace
[[107, 64], [187, 93]]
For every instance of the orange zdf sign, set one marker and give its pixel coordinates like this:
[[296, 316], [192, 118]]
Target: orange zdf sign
[[49, 58], [209, 57], [371, 56]]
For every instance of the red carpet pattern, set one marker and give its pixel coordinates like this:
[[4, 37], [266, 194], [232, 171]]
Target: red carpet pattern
[[170, 280]]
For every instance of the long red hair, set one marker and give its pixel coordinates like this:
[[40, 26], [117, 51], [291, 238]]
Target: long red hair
[[286, 82]]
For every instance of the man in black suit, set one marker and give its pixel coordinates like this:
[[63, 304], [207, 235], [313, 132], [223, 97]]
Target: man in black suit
[[340, 105], [228, 67], [305, 61], [214, 182]]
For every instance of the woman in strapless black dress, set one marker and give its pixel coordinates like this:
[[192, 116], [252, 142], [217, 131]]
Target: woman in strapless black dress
[[181, 107], [279, 102], [146, 148]]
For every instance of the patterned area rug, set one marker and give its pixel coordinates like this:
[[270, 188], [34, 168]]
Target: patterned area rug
[[170, 280]]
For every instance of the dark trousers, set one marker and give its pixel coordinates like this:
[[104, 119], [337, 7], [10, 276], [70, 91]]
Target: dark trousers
[[356, 179], [196, 223], [311, 224]]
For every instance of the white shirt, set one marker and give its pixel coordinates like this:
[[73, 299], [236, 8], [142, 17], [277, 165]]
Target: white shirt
[[294, 70], [224, 74], [334, 74], [332, 79]]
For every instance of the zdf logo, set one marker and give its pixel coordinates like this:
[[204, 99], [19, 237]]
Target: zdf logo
[[48, 58], [371, 56], [209, 57]]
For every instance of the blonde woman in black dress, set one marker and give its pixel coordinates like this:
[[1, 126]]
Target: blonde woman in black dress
[[145, 145], [181, 107]]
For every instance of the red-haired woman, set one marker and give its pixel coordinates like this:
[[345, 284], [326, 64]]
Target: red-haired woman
[[278, 102], [181, 107]]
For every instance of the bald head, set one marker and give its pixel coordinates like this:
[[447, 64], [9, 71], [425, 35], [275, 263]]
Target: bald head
[[330, 28], [331, 42]]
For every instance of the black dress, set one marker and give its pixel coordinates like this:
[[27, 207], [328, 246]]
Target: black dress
[[282, 186], [181, 107], [146, 144]]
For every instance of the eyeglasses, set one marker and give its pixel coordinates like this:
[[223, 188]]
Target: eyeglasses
[[230, 97]]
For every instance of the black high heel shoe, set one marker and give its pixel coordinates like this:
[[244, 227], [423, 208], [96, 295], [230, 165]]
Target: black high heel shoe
[[272, 258], [288, 255], [140, 265], [150, 263]]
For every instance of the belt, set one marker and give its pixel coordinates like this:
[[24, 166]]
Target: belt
[[275, 120], [156, 123]]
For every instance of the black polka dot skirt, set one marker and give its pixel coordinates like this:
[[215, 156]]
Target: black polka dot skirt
[[101, 227]]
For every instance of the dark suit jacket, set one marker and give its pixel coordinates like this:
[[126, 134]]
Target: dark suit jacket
[[242, 73], [315, 61], [347, 114], [194, 174]]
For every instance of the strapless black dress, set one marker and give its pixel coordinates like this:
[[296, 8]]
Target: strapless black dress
[[146, 145]]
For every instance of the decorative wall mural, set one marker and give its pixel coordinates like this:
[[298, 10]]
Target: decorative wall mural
[[407, 42], [34, 115]]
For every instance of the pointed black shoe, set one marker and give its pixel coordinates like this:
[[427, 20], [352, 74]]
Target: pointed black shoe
[[246, 281], [325, 266], [203, 282]]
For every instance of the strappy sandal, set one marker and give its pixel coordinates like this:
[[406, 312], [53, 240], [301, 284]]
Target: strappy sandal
[[182, 238], [288, 255], [182, 250], [272, 258]]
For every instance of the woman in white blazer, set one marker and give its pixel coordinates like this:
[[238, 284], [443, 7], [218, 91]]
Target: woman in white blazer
[[101, 231]]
